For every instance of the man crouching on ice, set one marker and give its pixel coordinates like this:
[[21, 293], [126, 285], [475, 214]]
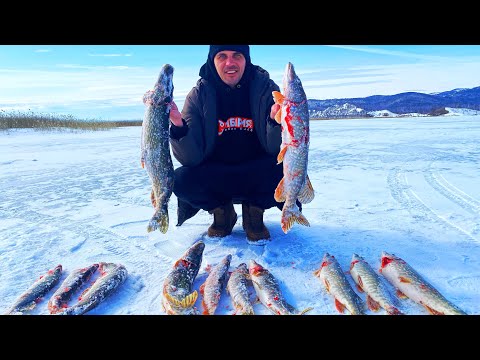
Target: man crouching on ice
[[227, 141]]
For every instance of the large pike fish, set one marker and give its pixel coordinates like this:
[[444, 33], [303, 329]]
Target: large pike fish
[[155, 145], [29, 299], [336, 283], [409, 283], [111, 277], [72, 283], [178, 298], [237, 288], [368, 281], [268, 291], [213, 286], [294, 119]]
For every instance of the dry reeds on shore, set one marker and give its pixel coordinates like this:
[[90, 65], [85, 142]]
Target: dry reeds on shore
[[49, 122]]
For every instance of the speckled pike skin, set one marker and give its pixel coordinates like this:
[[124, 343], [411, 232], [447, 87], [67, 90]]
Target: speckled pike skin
[[294, 119], [112, 276], [29, 299], [336, 283], [213, 286], [72, 283], [410, 283], [368, 281], [237, 288], [268, 291], [178, 298], [155, 145]]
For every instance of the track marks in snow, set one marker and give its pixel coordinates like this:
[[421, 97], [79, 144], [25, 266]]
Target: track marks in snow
[[403, 193]]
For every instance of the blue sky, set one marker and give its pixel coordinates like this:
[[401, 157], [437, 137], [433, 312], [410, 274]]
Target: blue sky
[[108, 82]]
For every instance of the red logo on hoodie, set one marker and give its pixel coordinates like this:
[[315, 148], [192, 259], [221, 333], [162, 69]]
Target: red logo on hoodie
[[235, 123]]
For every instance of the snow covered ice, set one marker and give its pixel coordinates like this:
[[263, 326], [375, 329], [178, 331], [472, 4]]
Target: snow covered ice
[[408, 186]]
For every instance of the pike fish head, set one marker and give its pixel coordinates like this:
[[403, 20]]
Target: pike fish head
[[386, 259], [227, 259], [57, 269], [242, 268], [327, 259], [292, 86], [194, 254], [255, 269], [164, 85], [355, 259]]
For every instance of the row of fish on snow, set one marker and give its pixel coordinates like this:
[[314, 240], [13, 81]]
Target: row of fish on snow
[[179, 297], [112, 275]]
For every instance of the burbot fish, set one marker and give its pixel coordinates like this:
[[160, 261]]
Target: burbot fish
[[294, 119], [155, 145], [409, 283]]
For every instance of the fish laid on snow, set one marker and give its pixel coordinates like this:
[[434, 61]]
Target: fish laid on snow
[[178, 298], [72, 283], [237, 288], [111, 277], [294, 119], [268, 291], [213, 286], [336, 283], [155, 147], [368, 281], [29, 299], [409, 283]]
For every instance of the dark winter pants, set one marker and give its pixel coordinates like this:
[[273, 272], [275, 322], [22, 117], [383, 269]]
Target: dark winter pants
[[211, 185]]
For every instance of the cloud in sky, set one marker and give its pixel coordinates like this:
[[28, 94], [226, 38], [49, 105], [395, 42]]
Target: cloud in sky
[[42, 50], [388, 52], [110, 55]]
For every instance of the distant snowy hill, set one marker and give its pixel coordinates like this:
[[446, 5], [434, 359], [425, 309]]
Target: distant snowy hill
[[350, 111], [404, 103]]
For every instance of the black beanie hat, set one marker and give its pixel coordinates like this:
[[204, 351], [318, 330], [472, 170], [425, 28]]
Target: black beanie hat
[[244, 49]]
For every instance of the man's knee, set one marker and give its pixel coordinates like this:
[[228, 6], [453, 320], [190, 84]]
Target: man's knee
[[182, 181]]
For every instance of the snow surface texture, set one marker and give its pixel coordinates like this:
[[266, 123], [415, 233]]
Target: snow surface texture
[[408, 186]]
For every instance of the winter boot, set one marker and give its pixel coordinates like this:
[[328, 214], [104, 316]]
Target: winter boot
[[253, 224], [224, 219]]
